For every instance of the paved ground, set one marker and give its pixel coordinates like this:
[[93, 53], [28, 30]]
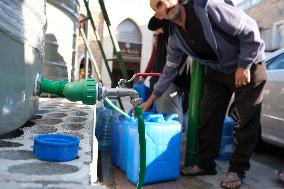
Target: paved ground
[[260, 176], [20, 170], [18, 167]]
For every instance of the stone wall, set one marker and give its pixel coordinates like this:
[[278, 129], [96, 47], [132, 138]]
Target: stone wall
[[269, 15], [267, 12], [138, 11]]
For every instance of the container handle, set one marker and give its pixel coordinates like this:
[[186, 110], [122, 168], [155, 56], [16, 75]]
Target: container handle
[[172, 117], [155, 118]]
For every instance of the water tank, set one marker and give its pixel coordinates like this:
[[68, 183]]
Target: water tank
[[22, 30]]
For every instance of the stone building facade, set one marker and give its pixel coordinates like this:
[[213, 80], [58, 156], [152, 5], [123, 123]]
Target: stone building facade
[[99, 23], [269, 15], [129, 23]]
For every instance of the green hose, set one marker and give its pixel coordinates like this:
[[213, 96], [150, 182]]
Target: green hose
[[196, 89], [116, 108], [53, 87], [142, 145]]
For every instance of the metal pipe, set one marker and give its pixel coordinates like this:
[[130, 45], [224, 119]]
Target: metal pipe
[[86, 50], [119, 92]]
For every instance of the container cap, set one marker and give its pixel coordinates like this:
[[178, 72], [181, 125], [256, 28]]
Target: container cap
[[56, 147]]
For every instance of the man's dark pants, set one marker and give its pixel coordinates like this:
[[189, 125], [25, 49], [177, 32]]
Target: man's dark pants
[[218, 89]]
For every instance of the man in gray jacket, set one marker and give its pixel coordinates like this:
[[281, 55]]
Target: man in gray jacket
[[227, 41]]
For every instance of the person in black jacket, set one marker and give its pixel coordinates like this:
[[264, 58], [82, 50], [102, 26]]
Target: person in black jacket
[[159, 51], [172, 100]]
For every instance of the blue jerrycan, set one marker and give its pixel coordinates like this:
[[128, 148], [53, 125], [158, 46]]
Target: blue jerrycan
[[227, 139], [103, 132], [142, 90], [163, 139], [120, 141], [117, 126]]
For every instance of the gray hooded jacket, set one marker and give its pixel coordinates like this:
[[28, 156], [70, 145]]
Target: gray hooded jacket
[[236, 42]]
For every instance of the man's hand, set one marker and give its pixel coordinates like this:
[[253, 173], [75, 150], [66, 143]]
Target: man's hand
[[147, 105], [242, 77]]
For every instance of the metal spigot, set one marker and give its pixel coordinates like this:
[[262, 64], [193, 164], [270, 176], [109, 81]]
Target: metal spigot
[[119, 92], [134, 98]]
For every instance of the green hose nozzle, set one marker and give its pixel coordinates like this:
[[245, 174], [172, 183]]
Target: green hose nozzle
[[53, 87], [84, 91], [88, 91]]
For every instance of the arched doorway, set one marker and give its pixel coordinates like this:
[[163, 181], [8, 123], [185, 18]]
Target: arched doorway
[[129, 40], [82, 70]]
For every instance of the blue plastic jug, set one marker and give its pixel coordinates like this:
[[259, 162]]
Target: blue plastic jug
[[116, 137], [125, 140], [227, 139], [120, 140], [163, 139], [106, 115], [117, 126], [142, 90]]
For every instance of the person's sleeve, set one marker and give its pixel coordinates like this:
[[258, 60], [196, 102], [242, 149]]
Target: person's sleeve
[[174, 57], [233, 21]]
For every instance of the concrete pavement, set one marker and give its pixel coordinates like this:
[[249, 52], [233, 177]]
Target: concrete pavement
[[19, 169], [260, 176]]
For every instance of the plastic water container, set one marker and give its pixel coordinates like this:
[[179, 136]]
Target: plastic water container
[[163, 139], [105, 116], [120, 141], [227, 139], [142, 89], [124, 144], [117, 140], [56, 147]]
